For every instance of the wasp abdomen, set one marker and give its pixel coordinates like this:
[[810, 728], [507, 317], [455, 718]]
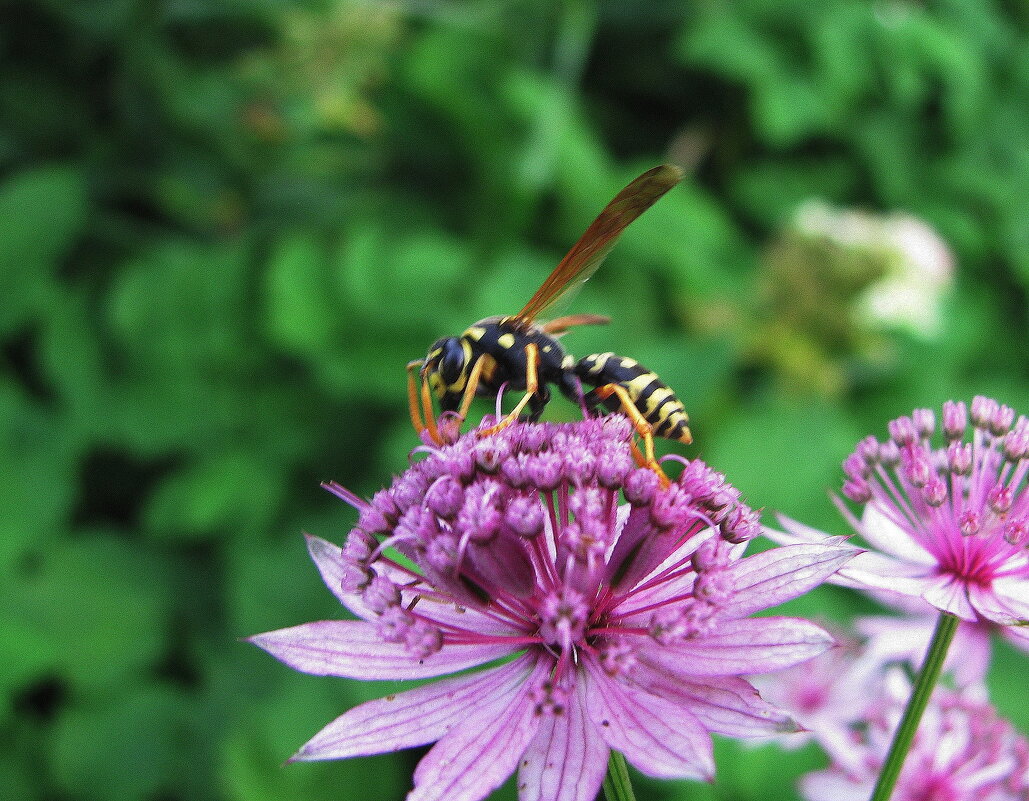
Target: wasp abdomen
[[649, 394]]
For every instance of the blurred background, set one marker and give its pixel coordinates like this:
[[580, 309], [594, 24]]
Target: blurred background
[[225, 227]]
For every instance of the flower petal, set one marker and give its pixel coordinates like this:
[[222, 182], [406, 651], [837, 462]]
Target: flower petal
[[884, 535], [660, 738], [870, 570], [411, 718], [752, 645], [473, 759], [641, 551], [328, 557], [671, 585], [828, 785], [354, 649], [781, 574], [567, 759], [896, 639], [1018, 636], [901, 555], [950, 594], [992, 606], [867, 570], [503, 562], [637, 609], [1013, 592], [794, 532], [724, 704]]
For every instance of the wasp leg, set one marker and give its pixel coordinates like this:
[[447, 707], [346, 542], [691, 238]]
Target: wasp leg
[[637, 454], [430, 413], [532, 360], [420, 407], [538, 402], [413, 403], [639, 422], [571, 387], [470, 386]]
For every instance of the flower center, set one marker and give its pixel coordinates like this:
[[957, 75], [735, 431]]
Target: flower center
[[563, 614], [524, 531]]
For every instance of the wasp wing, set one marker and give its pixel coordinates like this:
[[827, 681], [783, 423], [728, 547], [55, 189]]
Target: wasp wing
[[593, 246], [559, 325]]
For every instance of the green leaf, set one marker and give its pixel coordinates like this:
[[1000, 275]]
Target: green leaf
[[300, 308], [124, 746], [71, 356], [783, 454], [254, 752], [43, 212], [771, 190], [231, 490], [38, 475], [89, 612], [180, 308]]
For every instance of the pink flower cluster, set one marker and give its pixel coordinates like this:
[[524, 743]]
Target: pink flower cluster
[[947, 523], [962, 751], [850, 701], [594, 624]]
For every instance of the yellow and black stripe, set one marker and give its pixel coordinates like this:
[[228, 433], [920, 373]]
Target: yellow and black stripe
[[651, 396]]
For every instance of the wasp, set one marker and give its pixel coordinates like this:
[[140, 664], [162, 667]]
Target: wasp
[[519, 353]]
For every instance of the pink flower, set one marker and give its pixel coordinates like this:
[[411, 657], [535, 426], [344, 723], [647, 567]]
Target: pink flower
[[891, 640], [831, 694], [594, 625], [947, 524], [961, 752], [851, 704], [825, 695]]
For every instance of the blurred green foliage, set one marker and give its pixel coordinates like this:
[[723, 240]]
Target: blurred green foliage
[[227, 225]]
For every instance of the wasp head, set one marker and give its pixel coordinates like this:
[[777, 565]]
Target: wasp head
[[445, 365]]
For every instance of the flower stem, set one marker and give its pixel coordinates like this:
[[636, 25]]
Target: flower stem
[[924, 685], [617, 786]]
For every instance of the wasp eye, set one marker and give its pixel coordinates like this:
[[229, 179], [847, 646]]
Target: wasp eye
[[451, 363]]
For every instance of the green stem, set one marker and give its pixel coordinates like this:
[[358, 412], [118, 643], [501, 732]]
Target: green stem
[[617, 786], [924, 685]]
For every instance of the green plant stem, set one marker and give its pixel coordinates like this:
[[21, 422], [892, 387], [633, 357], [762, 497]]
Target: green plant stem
[[617, 786], [924, 685]]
